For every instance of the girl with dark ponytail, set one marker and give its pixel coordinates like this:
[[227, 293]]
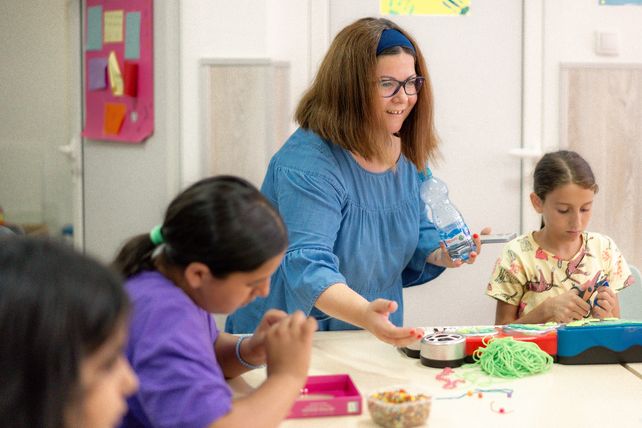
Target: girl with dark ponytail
[[219, 243], [561, 272]]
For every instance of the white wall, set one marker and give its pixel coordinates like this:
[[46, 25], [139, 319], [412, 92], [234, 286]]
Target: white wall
[[34, 112], [212, 29], [564, 31], [554, 31], [569, 37], [280, 30], [128, 186]]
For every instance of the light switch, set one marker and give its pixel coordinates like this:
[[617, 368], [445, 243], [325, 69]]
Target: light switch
[[607, 43]]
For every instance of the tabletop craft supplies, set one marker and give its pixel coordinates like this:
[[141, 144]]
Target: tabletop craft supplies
[[517, 350]]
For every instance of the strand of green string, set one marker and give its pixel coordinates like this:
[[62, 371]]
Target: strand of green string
[[509, 358]]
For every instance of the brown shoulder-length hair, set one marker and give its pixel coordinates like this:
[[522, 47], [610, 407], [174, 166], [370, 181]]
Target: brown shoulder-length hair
[[556, 169], [341, 104]]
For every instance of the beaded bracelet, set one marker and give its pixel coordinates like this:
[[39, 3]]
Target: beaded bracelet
[[241, 360]]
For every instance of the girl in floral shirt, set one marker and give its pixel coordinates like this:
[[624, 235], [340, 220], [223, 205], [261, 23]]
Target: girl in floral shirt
[[561, 272]]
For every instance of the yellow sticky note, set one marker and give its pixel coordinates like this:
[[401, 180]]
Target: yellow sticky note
[[115, 75], [113, 26]]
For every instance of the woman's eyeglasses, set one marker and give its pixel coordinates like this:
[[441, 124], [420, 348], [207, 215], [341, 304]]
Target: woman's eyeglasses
[[389, 87]]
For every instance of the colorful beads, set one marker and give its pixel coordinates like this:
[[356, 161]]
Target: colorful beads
[[399, 408], [500, 410], [398, 396]]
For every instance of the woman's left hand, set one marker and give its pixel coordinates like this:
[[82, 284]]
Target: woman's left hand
[[440, 256], [485, 231]]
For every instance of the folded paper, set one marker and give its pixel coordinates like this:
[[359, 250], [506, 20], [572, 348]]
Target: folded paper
[[115, 76]]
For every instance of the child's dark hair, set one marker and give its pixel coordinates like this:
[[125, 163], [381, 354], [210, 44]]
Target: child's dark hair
[[556, 169], [57, 307], [223, 222]]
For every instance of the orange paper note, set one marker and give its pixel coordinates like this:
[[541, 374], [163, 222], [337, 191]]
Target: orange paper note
[[114, 117]]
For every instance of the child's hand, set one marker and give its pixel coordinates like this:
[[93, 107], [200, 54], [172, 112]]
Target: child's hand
[[605, 303], [288, 344], [377, 323], [566, 307], [254, 351]]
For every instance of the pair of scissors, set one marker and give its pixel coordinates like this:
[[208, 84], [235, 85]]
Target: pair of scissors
[[588, 290]]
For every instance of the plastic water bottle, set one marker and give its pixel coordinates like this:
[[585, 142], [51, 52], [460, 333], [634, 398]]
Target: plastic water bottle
[[452, 228]]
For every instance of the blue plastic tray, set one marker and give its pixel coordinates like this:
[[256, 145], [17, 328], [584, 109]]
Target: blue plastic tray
[[600, 342]]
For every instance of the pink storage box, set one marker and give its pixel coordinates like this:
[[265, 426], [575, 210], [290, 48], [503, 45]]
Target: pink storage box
[[330, 395]]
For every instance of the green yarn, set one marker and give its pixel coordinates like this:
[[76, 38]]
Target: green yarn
[[474, 376], [509, 358], [483, 330], [534, 327], [596, 322]]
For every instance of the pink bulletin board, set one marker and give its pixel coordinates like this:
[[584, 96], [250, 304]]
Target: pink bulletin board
[[119, 73]]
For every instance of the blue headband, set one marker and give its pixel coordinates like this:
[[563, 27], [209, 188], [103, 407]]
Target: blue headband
[[390, 38]]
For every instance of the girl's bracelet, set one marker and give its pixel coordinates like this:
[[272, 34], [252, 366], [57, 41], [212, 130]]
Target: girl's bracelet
[[241, 360]]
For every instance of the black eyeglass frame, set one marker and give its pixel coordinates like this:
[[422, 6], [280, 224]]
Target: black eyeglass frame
[[401, 84]]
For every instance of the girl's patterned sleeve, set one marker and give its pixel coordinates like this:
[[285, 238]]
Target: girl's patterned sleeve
[[620, 275], [508, 278]]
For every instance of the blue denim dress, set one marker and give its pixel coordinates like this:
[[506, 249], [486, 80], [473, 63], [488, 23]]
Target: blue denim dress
[[345, 225]]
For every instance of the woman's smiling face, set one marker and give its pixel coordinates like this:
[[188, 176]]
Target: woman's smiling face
[[396, 108]]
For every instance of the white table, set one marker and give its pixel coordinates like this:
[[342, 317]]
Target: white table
[[635, 368], [606, 395]]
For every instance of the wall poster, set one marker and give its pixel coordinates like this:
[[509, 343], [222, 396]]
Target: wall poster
[[118, 70]]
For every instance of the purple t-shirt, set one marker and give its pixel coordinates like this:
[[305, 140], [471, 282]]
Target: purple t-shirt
[[171, 349]]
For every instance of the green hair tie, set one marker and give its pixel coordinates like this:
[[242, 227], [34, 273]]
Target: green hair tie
[[156, 235]]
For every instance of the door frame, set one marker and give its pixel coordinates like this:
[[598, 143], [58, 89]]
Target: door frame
[[75, 12]]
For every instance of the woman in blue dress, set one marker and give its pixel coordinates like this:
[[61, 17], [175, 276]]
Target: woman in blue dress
[[347, 185]]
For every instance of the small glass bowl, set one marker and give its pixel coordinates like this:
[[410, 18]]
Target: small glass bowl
[[399, 407]]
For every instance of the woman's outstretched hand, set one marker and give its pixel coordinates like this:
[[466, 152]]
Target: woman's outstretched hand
[[377, 322]]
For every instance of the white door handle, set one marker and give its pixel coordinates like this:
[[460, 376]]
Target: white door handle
[[72, 152], [67, 150]]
